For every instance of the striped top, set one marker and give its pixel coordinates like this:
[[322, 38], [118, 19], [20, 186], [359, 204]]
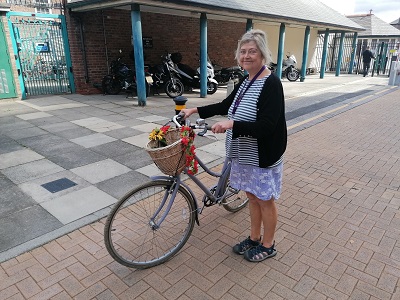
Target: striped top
[[245, 148]]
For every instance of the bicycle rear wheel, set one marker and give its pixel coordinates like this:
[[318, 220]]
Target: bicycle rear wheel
[[131, 235], [234, 200]]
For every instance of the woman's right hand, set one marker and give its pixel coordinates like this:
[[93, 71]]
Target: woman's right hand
[[188, 112]]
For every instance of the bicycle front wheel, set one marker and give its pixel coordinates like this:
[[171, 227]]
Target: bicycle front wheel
[[132, 233]]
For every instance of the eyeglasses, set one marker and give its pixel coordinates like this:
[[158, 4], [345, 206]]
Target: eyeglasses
[[249, 52]]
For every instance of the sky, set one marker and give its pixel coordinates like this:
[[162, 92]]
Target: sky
[[386, 10]]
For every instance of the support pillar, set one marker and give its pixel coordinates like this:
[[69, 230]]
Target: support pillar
[[305, 54], [324, 54], [203, 55], [281, 46], [353, 52], [340, 55], [138, 51]]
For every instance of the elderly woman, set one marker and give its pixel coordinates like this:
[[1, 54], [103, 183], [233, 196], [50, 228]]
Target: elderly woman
[[256, 141]]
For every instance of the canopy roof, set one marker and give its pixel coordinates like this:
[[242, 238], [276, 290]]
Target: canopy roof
[[292, 12]]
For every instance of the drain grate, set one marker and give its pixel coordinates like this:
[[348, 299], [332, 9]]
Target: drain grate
[[58, 185]]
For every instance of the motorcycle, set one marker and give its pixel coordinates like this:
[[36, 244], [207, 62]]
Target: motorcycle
[[223, 75], [190, 77], [121, 77], [288, 68], [163, 78]]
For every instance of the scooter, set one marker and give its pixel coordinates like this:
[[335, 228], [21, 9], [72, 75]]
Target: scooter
[[121, 77], [288, 68], [191, 78]]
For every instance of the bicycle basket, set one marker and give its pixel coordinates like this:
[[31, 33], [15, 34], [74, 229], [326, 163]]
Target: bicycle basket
[[171, 158]]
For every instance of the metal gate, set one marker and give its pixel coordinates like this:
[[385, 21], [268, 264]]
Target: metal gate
[[7, 88], [42, 51], [383, 52]]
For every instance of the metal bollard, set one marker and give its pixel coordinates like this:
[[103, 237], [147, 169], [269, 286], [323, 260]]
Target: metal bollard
[[179, 104], [230, 87]]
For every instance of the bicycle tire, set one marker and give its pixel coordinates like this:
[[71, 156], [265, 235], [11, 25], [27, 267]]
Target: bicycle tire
[[230, 203], [128, 233]]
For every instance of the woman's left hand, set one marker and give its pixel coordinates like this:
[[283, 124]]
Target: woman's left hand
[[221, 127]]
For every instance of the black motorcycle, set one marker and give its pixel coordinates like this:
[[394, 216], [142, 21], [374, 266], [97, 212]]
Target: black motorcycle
[[121, 77], [223, 75], [190, 77], [164, 80]]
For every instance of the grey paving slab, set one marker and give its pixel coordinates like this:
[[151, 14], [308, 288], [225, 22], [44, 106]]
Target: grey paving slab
[[25, 133], [94, 111], [118, 186], [135, 159], [49, 144], [61, 126], [97, 124], [11, 108], [153, 118], [14, 124], [115, 117], [74, 133], [69, 114], [46, 121], [13, 199], [93, 140], [4, 181], [10, 146], [34, 188], [122, 133], [31, 170], [14, 230], [35, 115], [101, 170], [78, 204], [18, 157], [75, 157], [115, 148], [139, 140]]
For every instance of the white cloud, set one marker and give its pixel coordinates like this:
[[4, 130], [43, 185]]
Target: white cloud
[[387, 10]]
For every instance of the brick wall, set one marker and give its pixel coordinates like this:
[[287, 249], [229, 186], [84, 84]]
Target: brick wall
[[106, 32]]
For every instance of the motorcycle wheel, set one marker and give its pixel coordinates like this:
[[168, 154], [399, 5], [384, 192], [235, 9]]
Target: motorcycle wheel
[[111, 86], [174, 90], [292, 74], [211, 88]]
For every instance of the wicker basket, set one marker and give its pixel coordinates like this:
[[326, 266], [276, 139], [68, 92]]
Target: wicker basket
[[169, 159]]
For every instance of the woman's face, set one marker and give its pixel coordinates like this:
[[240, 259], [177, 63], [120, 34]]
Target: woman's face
[[250, 57]]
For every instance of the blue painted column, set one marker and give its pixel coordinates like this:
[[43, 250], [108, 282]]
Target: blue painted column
[[203, 55], [340, 55], [353, 52], [281, 46], [305, 54], [324, 54], [249, 25], [138, 50]]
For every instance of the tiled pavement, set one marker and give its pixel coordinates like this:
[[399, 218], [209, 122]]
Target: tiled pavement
[[338, 232]]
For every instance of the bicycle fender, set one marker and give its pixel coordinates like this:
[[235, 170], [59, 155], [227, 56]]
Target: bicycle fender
[[187, 189]]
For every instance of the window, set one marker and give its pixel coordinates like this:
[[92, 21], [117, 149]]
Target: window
[[42, 6]]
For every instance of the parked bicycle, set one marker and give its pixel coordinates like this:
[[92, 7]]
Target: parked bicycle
[[151, 223]]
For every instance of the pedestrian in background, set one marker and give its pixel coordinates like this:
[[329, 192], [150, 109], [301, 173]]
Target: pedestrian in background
[[256, 138], [367, 56]]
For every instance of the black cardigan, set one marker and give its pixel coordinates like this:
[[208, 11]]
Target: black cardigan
[[270, 127]]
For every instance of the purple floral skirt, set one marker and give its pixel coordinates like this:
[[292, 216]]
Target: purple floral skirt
[[264, 183]]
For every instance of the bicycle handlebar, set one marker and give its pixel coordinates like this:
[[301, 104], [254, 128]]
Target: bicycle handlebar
[[200, 124]]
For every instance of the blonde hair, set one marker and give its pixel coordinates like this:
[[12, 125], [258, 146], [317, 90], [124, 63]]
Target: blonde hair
[[260, 38]]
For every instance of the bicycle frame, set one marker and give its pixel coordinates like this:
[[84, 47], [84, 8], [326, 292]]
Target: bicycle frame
[[176, 182]]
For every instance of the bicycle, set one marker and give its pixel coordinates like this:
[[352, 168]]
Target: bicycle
[[152, 222]]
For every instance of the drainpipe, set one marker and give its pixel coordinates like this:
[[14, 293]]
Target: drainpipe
[[82, 36], [105, 42]]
